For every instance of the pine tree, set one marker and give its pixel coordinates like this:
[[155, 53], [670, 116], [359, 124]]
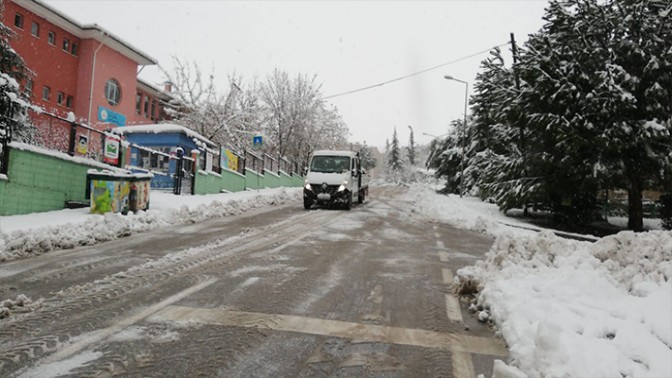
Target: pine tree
[[394, 163], [598, 104], [496, 163], [640, 77], [559, 69], [13, 104], [411, 148]]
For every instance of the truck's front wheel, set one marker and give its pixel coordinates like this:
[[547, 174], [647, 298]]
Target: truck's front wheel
[[360, 198], [307, 204], [348, 203]]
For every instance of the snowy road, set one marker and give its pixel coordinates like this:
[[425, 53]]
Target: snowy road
[[274, 292]]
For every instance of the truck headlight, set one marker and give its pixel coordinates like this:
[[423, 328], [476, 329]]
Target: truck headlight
[[343, 186], [308, 187]]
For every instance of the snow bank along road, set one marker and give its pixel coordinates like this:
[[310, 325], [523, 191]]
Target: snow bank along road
[[273, 292]]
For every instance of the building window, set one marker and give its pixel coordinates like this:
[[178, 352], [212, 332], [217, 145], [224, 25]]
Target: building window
[[51, 38], [68, 102], [35, 29], [29, 87], [66, 45], [18, 20], [138, 103], [46, 93], [60, 96], [146, 107], [73, 50], [112, 92]]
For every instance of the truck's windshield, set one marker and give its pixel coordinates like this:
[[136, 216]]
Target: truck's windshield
[[330, 164]]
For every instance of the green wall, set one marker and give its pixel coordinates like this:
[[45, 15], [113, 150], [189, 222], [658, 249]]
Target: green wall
[[37, 182], [297, 181], [251, 180], [270, 180], [210, 183], [285, 180]]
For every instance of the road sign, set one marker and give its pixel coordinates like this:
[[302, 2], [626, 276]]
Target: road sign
[[257, 141]]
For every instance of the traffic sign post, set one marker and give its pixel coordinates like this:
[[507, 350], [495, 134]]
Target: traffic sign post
[[257, 142]]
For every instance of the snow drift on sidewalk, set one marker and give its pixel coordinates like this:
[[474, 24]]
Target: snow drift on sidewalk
[[165, 210], [579, 309]]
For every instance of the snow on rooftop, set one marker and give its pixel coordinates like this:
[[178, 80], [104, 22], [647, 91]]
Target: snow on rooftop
[[334, 153], [162, 128]]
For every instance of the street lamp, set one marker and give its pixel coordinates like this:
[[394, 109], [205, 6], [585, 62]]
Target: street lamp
[[436, 136], [464, 129]]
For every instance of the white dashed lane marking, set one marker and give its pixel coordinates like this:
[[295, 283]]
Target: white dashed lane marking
[[453, 308], [447, 275]]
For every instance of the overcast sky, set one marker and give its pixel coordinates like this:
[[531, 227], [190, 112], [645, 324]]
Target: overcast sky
[[347, 44]]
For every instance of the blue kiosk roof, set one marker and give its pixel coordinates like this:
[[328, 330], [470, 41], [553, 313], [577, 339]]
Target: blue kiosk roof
[[164, 134]]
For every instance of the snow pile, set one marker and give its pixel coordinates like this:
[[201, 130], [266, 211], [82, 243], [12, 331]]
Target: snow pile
[[578, 309], [89, 229], [20, 304], [467, 213]]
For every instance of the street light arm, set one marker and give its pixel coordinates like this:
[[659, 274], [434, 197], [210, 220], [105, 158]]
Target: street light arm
[[435, 136], [448, 77]]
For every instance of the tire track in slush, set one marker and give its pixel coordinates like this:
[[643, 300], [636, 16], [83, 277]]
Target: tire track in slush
[[86, 306]]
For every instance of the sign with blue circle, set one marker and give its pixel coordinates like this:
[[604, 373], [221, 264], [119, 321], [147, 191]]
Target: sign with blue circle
[[110, 116]]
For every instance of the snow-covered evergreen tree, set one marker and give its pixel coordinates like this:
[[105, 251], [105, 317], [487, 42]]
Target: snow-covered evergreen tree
[[13, 103], [496, 164], [411, 148], [639, 74], [591, 110], [445, 157], [393, 159]]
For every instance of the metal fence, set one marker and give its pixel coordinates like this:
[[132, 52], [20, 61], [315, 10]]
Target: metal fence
[[289, 166], [285, 165], [53, 132], [254, 162], [60, 134], [270, 164]]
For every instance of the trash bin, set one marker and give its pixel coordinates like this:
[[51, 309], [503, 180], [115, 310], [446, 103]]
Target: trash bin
[[108, 191], [138, 196]]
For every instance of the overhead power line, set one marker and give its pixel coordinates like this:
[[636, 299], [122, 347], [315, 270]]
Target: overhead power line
[[413, 74]]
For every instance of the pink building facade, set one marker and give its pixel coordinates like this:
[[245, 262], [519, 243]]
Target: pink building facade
[[82, 69]]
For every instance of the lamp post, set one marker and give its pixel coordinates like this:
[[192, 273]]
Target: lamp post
[[464, 129]]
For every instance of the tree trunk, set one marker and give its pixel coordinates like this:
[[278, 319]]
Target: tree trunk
[[635, 211]]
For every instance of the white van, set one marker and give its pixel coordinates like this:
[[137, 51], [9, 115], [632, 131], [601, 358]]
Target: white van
[[334, 178]]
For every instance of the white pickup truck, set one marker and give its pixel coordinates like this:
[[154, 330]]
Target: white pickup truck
[[335, 178]]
